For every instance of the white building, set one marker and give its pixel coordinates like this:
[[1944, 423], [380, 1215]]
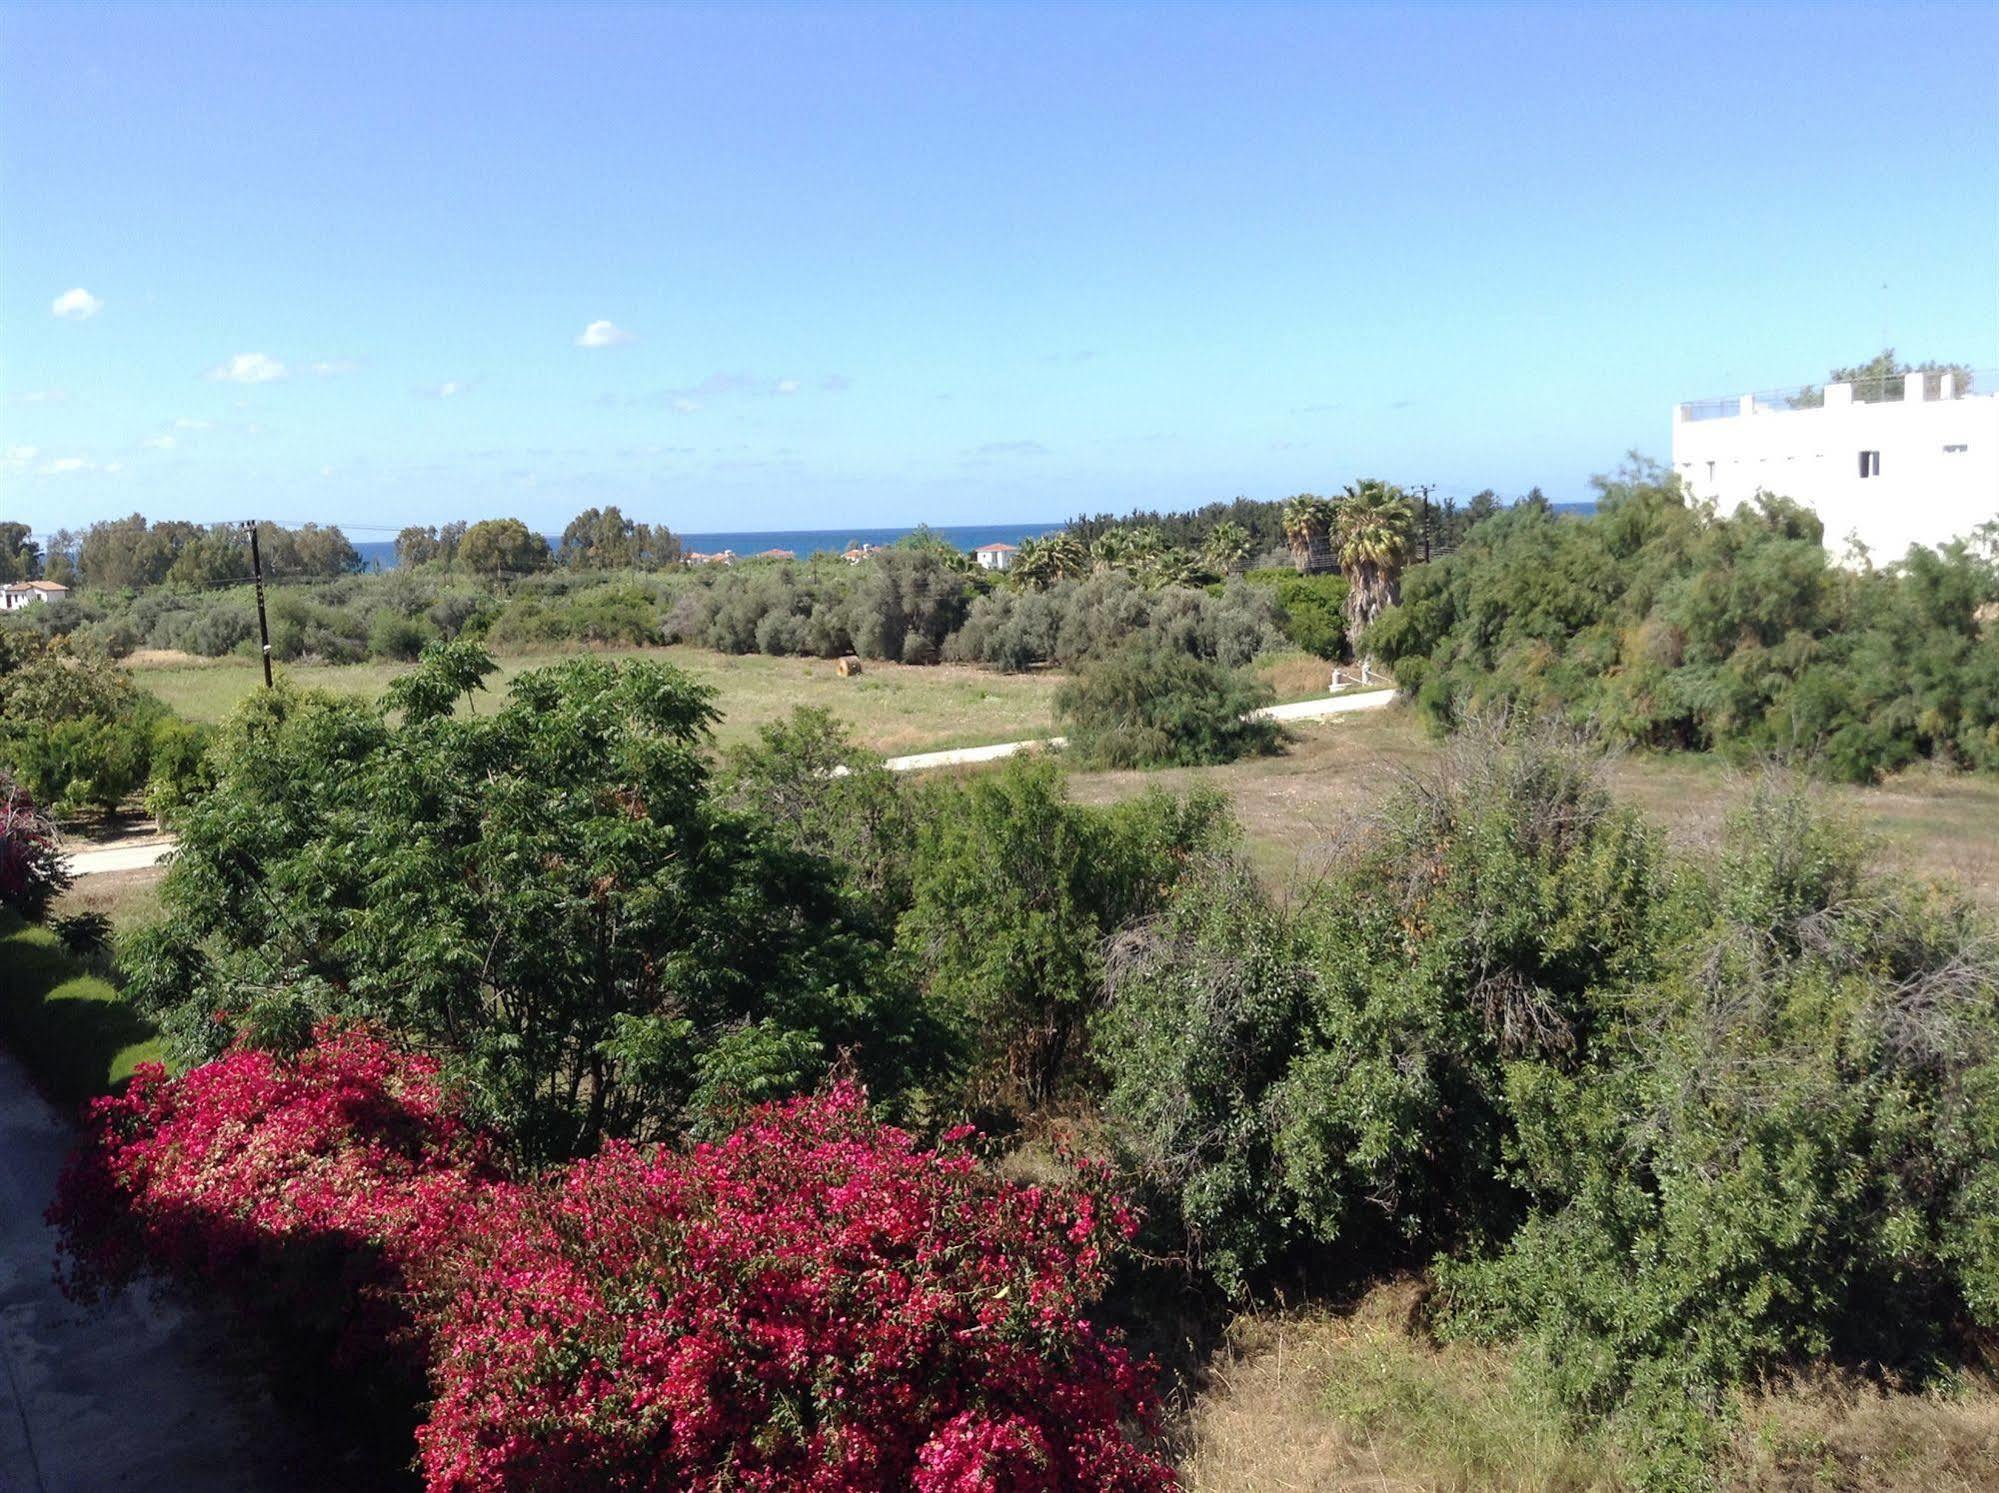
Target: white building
[[995, 556], [1919, 469], [18, 594]]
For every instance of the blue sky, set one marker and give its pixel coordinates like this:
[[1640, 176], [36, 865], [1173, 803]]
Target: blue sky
[[877, 265]]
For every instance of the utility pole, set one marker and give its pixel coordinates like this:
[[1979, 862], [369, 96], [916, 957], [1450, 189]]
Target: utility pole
[[1425, 491], [263, 626]]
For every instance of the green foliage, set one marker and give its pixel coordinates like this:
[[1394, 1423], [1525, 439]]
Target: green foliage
[[72, 1029], [1157, 707], [75, 729], [1313, 608], [1668, 626], [606, 540], [1016, 890], [1069, 621], [831, 799], [1670, 1126], [550, 894], [1331, 1075], [502, 546]]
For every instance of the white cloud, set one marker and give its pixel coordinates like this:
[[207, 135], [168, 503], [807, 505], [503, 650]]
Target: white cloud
[[160, 442], [248, 368], [451, 388], [326, 471], [64, 464], [787, 386], [603, 334], [75, 305]]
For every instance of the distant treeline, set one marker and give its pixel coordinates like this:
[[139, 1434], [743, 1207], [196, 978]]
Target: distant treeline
[[1441, 522]]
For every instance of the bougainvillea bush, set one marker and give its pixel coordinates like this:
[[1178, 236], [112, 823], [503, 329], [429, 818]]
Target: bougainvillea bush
[[814, 1301], [32, 869]]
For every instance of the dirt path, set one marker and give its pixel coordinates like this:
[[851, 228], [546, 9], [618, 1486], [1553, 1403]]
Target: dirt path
[[133, 1394]]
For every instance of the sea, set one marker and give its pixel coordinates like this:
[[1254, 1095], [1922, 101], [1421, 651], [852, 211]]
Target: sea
[[380, 554]]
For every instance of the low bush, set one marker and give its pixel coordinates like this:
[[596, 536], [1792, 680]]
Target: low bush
[[814, 1301], [1155, 707]]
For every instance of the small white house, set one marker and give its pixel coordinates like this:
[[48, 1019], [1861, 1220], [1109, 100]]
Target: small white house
[[1919, 469], [995, 556], [18, 594]]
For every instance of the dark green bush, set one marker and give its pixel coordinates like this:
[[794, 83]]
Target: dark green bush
[[1666, 625], [1669, 1126], [1147, 706], [1314, 609], [1016, 889]]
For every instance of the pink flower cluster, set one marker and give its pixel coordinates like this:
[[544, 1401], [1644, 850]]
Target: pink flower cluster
[[815, 1302]]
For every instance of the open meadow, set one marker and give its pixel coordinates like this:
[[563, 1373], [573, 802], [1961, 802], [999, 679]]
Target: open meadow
[[892, 708], [1933, 824]]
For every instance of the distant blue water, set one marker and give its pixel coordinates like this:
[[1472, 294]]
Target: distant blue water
[[381, 553], [803, 542]]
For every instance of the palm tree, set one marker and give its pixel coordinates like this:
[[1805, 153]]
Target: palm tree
[[1111, 550], [1308, 521], [1067, 558], [1372, 540], [1226, 549], [1033, 562]]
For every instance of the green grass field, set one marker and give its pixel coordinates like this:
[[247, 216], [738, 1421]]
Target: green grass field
[[72, 1029], [893, 708]]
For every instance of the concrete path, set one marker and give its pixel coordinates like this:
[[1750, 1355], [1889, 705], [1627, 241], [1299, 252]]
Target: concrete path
[[119, 857], [132, 1394], [134, 857]]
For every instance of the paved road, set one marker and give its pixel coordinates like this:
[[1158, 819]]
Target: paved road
[[133, 857], [133, 1394]]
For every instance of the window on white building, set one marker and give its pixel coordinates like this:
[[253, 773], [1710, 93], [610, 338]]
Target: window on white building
[[1870, 463], [1954, 450]]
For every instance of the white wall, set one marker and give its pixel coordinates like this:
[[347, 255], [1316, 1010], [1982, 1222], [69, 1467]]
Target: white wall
[[1923, 495]]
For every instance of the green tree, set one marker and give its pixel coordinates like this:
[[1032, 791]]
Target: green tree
[[20, 556], [1884, 377], [502, 546], [551, 894], [604, 539]]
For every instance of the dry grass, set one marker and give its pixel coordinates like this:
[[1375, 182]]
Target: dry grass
[[1341, 1403], [127, 898], [1326, 1403], [1935, 825], [894, 708]]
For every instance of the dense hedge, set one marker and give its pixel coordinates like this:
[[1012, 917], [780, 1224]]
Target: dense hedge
[[1665, 624]]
